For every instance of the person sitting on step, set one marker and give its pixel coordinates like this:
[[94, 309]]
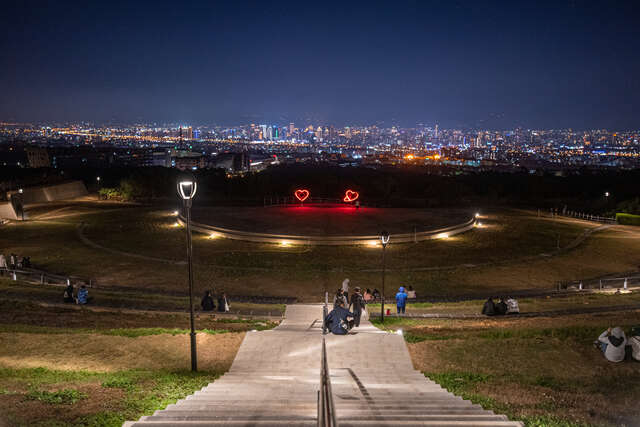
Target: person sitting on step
[[336, 321]]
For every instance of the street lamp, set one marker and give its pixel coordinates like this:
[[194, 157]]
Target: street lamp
[[21, 191], [384, 239], [187, 190]]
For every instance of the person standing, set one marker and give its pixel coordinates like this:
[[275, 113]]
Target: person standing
[[223, 303], [345, 289], [339, 299], [401, 300], [207, 302], [3, 264], [358, 304]]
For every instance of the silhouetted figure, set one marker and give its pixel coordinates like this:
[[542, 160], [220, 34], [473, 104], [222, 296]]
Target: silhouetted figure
[[358, 304], [207, 302], [67, 297], [223, 303], [501, 307], [489, 308]]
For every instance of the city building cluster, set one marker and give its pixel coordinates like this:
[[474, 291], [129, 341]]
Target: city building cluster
[[253, 147]]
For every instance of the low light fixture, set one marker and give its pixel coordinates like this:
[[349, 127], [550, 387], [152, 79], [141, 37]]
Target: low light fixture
[[477, 214], [399, 332], [442, 236], [285, 243]]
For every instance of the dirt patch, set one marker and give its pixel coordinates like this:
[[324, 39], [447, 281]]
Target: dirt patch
[[112, 353], [99, 399]]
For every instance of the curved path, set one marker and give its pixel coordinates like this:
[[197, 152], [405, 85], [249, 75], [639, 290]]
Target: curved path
[[274, 381], [574, 244]]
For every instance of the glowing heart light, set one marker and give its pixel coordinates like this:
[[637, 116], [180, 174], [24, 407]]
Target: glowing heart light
[[302, 194], [351, 196]]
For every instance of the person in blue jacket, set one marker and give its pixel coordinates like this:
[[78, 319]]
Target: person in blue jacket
[[401, 300], [336, 320]]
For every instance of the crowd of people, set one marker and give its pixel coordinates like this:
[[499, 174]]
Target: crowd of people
[[507, 305], [208, 302], [13, 262], [349, 310]]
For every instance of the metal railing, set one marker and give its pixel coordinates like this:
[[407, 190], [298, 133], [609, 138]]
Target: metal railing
[[43, 278], [326, 408], [553, 213]]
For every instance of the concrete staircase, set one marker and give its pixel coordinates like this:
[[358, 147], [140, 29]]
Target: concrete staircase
[[275, 378]]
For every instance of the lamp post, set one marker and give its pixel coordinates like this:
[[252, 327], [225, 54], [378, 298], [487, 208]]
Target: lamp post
[[384, 239], [21, 192], [187, 190]]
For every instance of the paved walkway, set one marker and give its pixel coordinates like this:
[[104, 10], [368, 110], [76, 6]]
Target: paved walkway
[[275, 378]]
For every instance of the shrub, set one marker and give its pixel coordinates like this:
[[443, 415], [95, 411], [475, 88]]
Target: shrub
[[627, 219]]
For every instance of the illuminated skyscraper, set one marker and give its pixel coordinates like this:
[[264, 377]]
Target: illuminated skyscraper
[[291, 129]]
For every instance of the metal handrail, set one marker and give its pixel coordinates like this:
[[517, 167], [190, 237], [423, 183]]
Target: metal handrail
[[326, 407]]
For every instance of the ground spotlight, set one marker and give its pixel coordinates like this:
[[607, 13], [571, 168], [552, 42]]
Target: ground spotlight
[[399, 332]]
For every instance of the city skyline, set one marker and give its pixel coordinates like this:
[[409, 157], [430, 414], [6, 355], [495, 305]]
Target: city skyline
[[496, 65]]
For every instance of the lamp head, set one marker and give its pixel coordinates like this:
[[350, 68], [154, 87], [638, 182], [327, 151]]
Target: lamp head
[[384, 238], [187, 189], [20, 190]]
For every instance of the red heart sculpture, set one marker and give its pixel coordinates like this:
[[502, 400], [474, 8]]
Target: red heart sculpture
[[351, 196], [302, 194]]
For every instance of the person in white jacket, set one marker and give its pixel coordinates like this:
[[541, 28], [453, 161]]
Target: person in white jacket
[[612, 343]]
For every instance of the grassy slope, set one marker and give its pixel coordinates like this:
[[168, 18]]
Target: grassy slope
[[118, 366], [247, 268], [543, 371]]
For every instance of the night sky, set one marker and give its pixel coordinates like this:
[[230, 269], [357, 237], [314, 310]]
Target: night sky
[[469, 63]]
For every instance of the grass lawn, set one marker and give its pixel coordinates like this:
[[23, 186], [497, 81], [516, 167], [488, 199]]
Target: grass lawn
[[543, 371], [140, 246], [21, 290], [66, 367], [527, 305]]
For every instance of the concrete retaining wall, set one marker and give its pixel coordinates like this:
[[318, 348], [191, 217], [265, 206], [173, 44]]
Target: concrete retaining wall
[[7, 211], [370, 240], [68, 190]]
